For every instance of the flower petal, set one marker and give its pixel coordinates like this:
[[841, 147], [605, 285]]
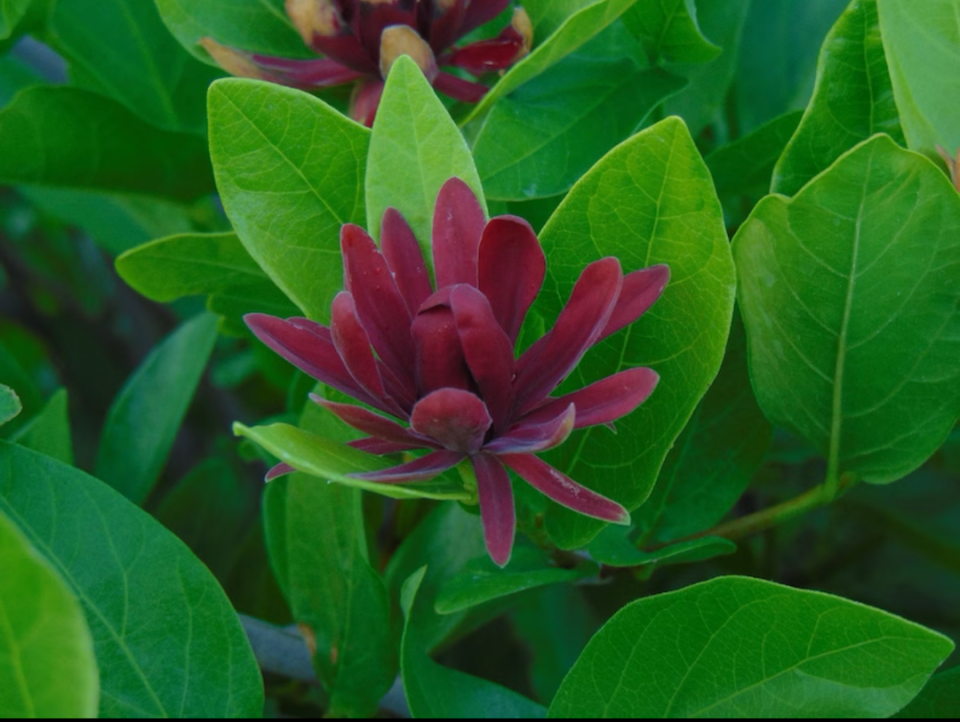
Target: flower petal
[[456, 419], [373, 424], [443, 26], [511, 269], [457, 225], [281, 469], [466, 91], [638, 292], [529, 437], [440, 360], [547, 363], [403, 256], [480, 12], [374, 17], [365, 100], [323, 29], [353, 345], [602, 402], [318, 73], [496, 507], [422, 469], [309, 347], [564, 490], [380, 306], [487, 350], [381, 447]]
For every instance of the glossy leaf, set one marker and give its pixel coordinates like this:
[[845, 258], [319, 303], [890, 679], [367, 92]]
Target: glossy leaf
[[11, 12], [939, 699], [10, 404], [577, 29], [848, 297], [649, 201], [538, 141], [126, 49], [333, 461], [435, 691], [415, 148], [260, 26], [922, 42], [852, 100], [47, 665], [714, 458], [145, 416], [482, 581], [746, 164], [318, 551], [49, 431], [171, 646], [612, 548], [104, 147], [290, 171], [669, 31], [750, 648]]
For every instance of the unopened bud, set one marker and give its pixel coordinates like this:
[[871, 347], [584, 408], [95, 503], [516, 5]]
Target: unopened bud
[[398, 40], [314, 17], [233, 61]]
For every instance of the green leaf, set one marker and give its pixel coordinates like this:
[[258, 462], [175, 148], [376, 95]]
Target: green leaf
[[435, 691], [11, 12], [334, 462], [315, 535], [939, 699], [481, 580], [715, 457], [167, 641], [124, 46], [49, 431], [649, 201], [47, 665], [290, 171], [10, 404], [538, 141], [750, 648], [103, 147], [849, 300], [415, 148], [259, 26], [745, 165], [577, 29], [922, 43], [852, 100], [15, 75], [778, 56], [669, 32], [145, 416], [611, 547]]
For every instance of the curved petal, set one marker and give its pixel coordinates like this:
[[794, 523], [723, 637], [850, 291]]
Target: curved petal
[[487, 350], [365, 100], [316, 73], [422, 469], [532, 436], [639, 291], [440, 360], [496, 507], [381, 447], [403, 256], [488, 56], [480, 12], [441, 21], [548, 362], [281, 469], [458, 222], [375, 16], [374, 424], [466, 91], [325, 31], [511, 270], [456, 419], [602, 402], [564, 490], [353, 345]]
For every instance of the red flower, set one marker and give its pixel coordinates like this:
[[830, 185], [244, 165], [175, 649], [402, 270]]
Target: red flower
[[360, 39], [442, 361]]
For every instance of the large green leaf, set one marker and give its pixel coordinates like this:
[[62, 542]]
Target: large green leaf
[[538, 141], [129, 53], [15, 75], [11, 12], [435, 691], [739, 647], [573, 32], [47, 665], [922, 41], [852, 100], [649, 201], [940, 698], [49, 431], [167, 641], [103, 147], [318, 551], [146, 415], [849, 298], [415, 148], [10, 404], [669, 31], [745, 165], [290, 171], [256, 25]]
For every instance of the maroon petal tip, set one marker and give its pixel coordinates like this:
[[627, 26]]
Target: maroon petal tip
[[280, 469]]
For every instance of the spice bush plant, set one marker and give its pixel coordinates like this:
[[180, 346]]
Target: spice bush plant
[[449, 358]]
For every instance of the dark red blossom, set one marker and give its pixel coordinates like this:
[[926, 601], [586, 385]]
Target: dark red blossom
[[360, 40], [441, 362]]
